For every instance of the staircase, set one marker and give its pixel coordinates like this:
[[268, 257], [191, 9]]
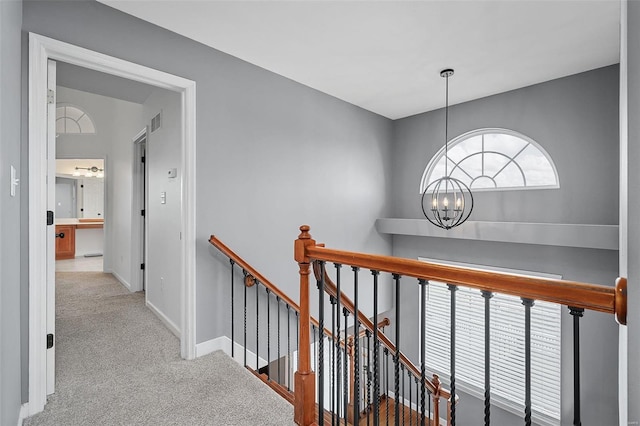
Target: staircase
[[345, 365]]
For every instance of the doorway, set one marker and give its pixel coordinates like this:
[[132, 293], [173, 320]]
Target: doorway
[[139, 220], [41, 253]]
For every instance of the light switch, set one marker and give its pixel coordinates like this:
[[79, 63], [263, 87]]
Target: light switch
[[163, 197], [14, 181]]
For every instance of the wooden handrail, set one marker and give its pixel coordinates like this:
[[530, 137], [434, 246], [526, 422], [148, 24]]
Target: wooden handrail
[[252, 271], [580, 295], [386, 342], [253, 275]]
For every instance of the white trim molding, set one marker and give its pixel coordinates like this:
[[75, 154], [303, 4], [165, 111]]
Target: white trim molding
[[41, 49], [165, 319], [604, 237], [223, 343]]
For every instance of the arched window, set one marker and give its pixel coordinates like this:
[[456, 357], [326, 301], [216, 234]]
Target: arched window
[[71, 119], [494, 159]]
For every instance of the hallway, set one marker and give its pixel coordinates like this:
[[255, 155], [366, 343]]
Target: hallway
[[118, 365]]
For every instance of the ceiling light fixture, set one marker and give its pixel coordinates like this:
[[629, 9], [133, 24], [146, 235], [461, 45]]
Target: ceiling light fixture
[[447, 202]]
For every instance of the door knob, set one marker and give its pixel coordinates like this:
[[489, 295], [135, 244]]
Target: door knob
[[60, 235]]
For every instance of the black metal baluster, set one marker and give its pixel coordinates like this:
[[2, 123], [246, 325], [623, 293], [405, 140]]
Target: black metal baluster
[[337, 342], [255, 282], [279, 359], [321, 347], [429, 401], [429, 404], [345, 372], [423, 338], [487, 356], [417, 392], [409, 377], [402, 400], [577, 313], [288, 348], [528, 303], [368, 407], [268, 335], [386, 383], [245, 316], [453, 289], [356, 347], [233, 342], [376, 352], [396, 358], [334, 375]]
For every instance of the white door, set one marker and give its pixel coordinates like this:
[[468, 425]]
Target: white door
[[51, 206]]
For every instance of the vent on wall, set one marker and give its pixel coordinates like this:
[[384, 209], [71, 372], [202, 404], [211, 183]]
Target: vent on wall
[[156, 122]]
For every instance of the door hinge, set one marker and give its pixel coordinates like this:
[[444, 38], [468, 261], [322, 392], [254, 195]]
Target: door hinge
[[142, 159], [142, 266], [49, 341], [51, 96], [49, 217], [141, 212]]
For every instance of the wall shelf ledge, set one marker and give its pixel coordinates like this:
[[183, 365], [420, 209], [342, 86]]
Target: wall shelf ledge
[[603, 237]]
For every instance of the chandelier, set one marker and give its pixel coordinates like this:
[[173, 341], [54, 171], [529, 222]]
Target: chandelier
[[90, 172], [447, 202]]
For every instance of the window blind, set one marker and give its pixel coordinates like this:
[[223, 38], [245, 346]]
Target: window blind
[[507, 348]]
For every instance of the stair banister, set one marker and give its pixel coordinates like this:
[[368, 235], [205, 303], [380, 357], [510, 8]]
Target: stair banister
[[304, 378]]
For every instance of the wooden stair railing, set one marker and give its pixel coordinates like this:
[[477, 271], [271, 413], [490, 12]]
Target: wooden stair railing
[[577, 296], [433, 385], [253, 277]]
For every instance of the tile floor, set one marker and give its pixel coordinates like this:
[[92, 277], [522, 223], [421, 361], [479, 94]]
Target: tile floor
[[83, 264]]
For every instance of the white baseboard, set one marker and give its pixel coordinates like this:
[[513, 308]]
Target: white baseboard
[[24, 413], [223, 343], [122, 280], [170, 325]]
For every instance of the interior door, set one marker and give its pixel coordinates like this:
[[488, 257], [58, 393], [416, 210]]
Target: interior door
[[51, 244]]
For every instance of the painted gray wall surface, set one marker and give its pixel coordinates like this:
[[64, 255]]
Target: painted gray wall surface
[[10, 218], [575, 120], [163, 153], [633, 316], [116, 122], [271, 154]]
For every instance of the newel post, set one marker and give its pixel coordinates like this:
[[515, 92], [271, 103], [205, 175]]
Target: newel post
[[305, 379]]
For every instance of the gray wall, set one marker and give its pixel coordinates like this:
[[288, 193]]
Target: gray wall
[[163, 250], [633, 319], [271, 154], [10, 119], [576, 120]]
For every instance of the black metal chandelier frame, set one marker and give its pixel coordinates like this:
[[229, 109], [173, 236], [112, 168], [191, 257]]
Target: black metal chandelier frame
[[437, 207]]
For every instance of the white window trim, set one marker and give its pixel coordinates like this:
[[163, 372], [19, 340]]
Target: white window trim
[[497, 401], [434, 160]]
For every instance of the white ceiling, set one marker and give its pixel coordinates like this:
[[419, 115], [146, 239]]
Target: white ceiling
[[385, 56]]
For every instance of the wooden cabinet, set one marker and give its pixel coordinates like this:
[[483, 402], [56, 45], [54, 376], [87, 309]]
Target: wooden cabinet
[[65, 245]]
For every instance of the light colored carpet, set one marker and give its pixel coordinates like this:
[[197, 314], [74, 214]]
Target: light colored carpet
[[118, 365]]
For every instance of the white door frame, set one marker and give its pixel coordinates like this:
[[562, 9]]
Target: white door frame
[[41, 49]]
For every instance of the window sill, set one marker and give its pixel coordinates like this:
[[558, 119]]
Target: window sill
[[603, 237]]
